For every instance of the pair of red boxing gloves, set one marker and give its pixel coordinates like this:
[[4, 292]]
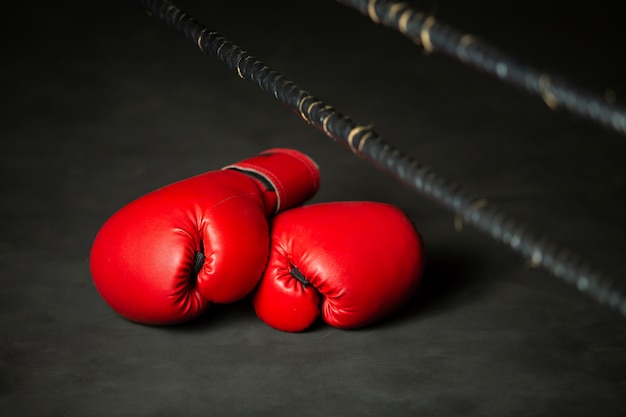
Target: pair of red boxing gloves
[[222, 235]]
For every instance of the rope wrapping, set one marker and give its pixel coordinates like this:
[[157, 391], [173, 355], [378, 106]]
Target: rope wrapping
[[364, 142], [435, 36]]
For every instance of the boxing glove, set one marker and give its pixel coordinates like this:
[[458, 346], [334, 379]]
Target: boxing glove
[[353, 263], [165, 257]]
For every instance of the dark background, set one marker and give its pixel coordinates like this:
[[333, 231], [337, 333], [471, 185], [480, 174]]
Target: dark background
[[102, 103]]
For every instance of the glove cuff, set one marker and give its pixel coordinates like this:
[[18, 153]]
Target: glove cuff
[[293, 175]]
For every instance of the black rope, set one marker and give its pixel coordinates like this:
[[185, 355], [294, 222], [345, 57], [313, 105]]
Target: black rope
[[364, 142], [435, 36]]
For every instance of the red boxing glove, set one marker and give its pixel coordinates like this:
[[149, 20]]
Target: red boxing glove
[[352, 262], [163, 258]]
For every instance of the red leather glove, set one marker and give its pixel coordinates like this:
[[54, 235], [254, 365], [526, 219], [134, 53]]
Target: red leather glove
[[163, 258], [353, 263]]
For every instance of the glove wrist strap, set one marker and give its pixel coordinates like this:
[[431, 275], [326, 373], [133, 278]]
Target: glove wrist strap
[[292, 176]]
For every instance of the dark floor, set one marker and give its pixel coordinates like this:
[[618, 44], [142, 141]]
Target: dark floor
[[102, 103]]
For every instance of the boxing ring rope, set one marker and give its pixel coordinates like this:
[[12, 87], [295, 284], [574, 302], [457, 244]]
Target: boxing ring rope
[[364, 142], [433, 36]]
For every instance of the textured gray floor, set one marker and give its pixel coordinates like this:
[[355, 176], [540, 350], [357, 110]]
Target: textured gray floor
[[101, 104]]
